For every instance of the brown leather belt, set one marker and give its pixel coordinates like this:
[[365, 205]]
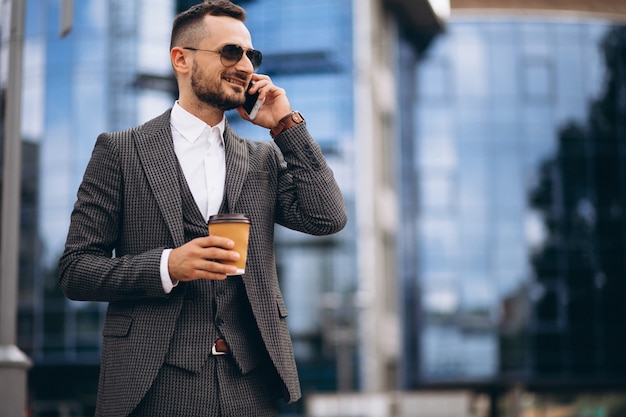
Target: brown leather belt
[[220, 347]]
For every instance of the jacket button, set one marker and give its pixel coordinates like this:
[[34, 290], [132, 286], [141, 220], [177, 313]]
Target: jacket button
[[219, 321]]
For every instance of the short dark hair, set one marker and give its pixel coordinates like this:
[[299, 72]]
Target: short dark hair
[[187, 25]]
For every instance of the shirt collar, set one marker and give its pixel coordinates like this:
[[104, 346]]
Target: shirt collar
[[189, 126]]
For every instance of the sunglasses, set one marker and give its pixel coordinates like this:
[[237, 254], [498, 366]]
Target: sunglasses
[[231, 54]]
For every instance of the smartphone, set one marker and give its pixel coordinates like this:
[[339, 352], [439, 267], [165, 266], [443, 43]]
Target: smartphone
[[252, 104]]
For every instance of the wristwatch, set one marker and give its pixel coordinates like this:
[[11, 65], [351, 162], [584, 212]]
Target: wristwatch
[[292, 119]]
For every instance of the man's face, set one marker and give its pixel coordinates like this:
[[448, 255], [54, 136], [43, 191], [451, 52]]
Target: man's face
[[212, 82], [210, 89]]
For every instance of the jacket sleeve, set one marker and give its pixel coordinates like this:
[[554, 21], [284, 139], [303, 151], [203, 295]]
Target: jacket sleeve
[[88, 268], [309, 199]]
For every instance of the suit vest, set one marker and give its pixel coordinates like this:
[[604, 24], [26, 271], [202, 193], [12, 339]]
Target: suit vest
[[212, 309]]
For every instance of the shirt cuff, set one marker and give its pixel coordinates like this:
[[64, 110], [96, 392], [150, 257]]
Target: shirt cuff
[[166, 280]]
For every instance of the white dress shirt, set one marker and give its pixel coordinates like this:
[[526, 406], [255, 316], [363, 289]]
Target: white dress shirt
[[200, 151]]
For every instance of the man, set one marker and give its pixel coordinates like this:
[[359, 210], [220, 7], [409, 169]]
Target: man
[[181, 337]]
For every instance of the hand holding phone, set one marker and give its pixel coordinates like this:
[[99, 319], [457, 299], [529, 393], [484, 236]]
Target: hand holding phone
[[252, 104]]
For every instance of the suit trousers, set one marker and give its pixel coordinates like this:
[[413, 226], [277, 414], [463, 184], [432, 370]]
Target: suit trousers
[[219, 390]]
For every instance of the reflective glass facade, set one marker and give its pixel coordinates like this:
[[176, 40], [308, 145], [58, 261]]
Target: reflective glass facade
[[518, 137], [74, 88]]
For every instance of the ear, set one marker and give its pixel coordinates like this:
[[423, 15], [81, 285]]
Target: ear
[[180, 60]]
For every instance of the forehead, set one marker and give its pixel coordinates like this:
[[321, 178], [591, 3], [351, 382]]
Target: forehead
[[221, 30]]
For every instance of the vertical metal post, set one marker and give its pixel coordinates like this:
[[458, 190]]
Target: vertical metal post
[[370, 358], [67, 17], [375, 199], [14, 363]]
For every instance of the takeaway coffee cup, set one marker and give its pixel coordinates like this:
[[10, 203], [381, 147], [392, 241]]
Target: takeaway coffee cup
[[237, 228]]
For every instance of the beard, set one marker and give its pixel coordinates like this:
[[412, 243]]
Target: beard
[[211, 92]]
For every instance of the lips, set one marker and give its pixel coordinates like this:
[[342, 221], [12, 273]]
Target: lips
[[237, 81]]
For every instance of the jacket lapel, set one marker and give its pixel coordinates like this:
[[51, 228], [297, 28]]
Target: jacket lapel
[[156, 151], [155, 148], [236, 166]]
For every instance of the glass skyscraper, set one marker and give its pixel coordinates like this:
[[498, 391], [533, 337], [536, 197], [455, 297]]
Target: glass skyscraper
[[518, 127]]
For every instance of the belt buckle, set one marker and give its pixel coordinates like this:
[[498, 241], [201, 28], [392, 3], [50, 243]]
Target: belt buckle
[[214, 352]]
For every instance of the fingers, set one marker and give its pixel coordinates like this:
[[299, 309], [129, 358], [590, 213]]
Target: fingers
[[202, 259], [214, 241], [266, 89], [260, 81], [275, 105], [211, 270]]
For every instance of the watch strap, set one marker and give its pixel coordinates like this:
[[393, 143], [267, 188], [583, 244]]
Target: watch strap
[[292, 119]]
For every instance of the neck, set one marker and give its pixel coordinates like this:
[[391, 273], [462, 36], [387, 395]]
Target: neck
[[208, 114]]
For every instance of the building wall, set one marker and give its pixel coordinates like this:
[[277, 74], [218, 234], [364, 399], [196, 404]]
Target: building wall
[[513, 249], [615, 9]]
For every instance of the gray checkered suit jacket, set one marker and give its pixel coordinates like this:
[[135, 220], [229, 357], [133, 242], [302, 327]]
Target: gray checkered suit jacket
[[129, 209]]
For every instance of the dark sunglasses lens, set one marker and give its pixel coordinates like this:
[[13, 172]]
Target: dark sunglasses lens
[[255, 57], [232, 54]]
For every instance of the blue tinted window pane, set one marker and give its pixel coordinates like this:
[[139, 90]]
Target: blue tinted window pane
[[537, 79], [482, 151]]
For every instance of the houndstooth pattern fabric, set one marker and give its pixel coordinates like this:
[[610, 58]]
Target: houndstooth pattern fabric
[[213, 309], [129, 205]]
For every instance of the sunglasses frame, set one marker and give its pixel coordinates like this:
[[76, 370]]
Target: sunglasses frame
[[229, 59]]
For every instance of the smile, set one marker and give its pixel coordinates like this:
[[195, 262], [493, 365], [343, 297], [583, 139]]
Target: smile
[[236, 81]]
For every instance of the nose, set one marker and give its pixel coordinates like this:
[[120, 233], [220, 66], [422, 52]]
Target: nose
[[245, 64]]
